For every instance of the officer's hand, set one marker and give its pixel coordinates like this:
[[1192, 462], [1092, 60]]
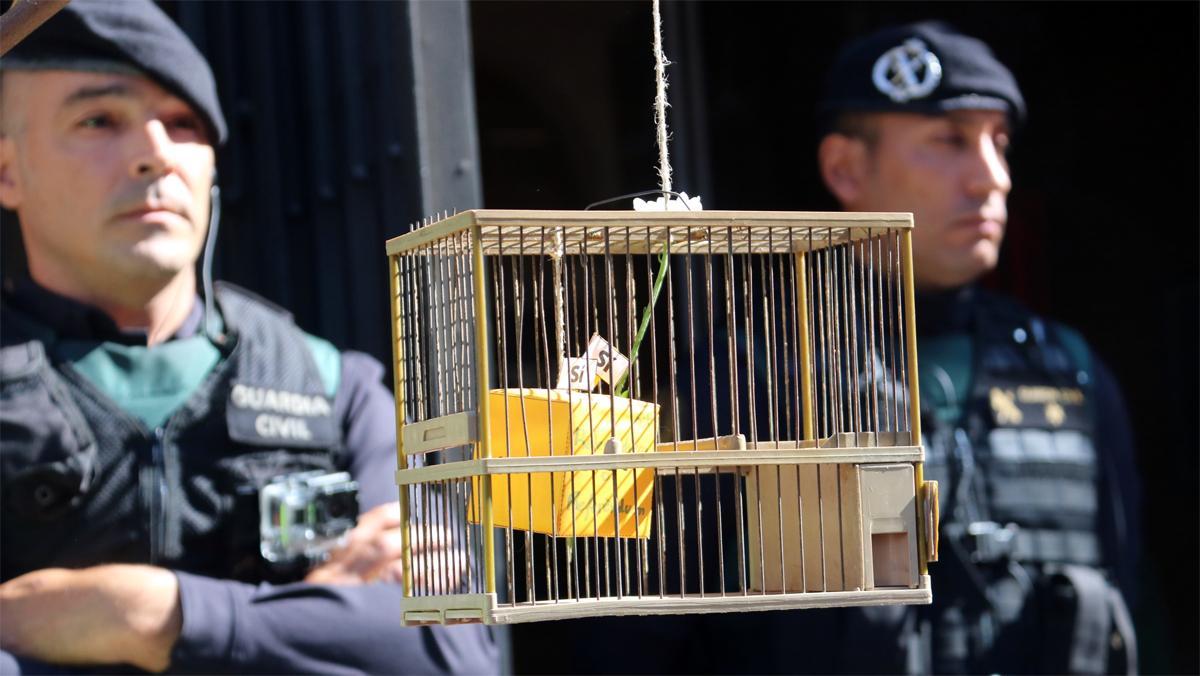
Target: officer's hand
[[117, 614], [374, 548]]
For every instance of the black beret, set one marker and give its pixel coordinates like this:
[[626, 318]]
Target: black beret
[[125, 36], [926, 67]]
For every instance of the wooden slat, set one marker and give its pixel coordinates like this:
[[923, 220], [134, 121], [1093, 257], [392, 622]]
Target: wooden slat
[[831, 510], [914, 392], [694, 604], [528, 218], [734, 442], [813, 543], [461, 469], [763, 239], [780, 503], [430, 233], [683, 460], [932, 518], [584, 230], [446, 609], [458, 608], [841, 511], [843, 441], [447, 431], [852, 538]]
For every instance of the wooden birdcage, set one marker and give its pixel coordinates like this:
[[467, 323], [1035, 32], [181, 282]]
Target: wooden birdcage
[[657, 412]]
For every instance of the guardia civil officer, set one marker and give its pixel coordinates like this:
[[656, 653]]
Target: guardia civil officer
[[1024, 427], [139, 419]]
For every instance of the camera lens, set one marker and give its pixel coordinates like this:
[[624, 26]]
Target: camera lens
[[342, 506]]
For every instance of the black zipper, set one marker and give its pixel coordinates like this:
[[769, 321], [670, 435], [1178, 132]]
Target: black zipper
[[158, 496]]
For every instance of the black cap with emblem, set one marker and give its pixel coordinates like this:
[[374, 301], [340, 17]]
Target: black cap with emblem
[[131, 36], [926, 67]]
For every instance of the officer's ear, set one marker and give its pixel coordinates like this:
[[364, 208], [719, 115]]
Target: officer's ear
[[843, 162], [10, 180]]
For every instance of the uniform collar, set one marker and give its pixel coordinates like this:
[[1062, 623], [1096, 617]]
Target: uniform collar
[[72, 320], [948, 311]]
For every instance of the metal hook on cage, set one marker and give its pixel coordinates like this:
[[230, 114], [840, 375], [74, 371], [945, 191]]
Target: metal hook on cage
[[643, 193]]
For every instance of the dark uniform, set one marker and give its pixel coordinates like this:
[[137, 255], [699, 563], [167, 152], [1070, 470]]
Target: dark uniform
[[1027, 435], [115, 452], [1023, 428], [1025, 431]]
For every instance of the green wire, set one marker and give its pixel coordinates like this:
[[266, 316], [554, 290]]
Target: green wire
[[647, 313]]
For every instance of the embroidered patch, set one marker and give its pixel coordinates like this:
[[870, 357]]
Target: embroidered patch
[[1037, 406], [269, 417]]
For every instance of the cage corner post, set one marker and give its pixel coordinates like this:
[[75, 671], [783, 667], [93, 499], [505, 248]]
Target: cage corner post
[[807, 401], [484, 450], [914, 396], [398, 389]]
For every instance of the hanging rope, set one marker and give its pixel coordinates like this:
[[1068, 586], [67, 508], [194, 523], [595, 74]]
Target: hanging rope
[[664, 180], [660, 105], [560, 314]]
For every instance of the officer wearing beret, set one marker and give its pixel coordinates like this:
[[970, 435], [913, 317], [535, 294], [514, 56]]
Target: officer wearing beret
[[139, 418], [1024, 426]]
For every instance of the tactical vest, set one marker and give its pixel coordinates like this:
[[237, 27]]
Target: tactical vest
[[1021, 585], [85, 482]]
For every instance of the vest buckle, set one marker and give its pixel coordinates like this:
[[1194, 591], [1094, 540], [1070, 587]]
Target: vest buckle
[[990, 542]]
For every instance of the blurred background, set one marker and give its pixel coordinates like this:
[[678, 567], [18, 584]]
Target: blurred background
[[351, 121]]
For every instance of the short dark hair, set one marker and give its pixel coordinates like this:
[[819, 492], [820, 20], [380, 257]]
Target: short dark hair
[[857, 125]]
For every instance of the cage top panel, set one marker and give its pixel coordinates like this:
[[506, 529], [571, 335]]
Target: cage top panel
[[549, 233]]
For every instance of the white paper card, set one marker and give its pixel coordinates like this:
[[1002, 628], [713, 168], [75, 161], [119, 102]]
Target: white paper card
[[602, 352], [577, 373]]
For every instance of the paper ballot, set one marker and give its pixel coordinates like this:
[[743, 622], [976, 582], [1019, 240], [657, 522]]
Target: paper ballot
[[611, 365], [601, 362]]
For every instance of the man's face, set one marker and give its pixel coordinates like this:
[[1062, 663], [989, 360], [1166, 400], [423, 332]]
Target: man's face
[[950, 171], [110, 178]]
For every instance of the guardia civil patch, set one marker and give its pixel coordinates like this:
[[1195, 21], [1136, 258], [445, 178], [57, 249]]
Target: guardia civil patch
[[1044, 406], [265, 416]]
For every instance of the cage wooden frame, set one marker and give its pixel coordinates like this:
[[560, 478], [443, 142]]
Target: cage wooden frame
[[840, 457]]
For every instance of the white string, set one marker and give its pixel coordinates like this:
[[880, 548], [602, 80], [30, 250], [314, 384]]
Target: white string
[[560, 316], [660, 102]]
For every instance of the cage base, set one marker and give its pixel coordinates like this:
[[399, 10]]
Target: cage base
[[483, 608]]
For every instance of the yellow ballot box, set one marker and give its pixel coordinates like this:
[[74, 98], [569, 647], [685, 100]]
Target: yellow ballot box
[[539, 423]]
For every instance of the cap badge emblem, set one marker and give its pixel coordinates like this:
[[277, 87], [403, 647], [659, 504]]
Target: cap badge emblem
[[908, 71]]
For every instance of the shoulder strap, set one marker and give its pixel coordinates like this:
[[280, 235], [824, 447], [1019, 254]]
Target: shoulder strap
[[281, 383], [1076, 347], [1100, 612], [277, 350]]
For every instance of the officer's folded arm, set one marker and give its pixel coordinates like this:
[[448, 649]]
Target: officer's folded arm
[[133, 614], [112, 614]]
